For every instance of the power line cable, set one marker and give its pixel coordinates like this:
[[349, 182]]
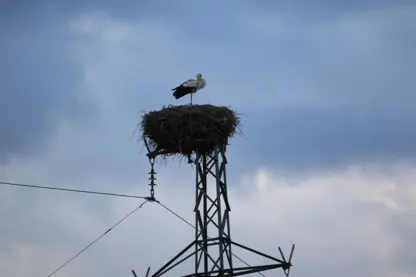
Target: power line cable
[[190, 224], [107, 194], [72, 190], [97, 239]]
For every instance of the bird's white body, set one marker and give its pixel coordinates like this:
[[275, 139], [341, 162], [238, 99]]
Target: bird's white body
[[196, 84]]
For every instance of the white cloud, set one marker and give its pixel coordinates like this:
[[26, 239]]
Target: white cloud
[[337, 219]]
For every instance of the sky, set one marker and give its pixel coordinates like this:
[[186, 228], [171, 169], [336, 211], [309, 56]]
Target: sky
[[326, 160]]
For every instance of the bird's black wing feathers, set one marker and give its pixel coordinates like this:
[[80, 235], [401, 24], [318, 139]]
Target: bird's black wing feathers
[[181, 91], [178, 87], [185, 88]]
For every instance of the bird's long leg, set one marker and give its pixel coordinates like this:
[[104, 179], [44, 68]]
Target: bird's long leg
[[191, 99]]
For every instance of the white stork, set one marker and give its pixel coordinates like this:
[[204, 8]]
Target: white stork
[[189, 87]]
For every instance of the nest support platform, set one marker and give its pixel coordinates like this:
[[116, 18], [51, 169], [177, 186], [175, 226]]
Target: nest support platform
[[183, 130]]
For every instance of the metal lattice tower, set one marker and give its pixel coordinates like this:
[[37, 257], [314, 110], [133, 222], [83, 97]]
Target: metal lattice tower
[[212, 251], [208, 212]]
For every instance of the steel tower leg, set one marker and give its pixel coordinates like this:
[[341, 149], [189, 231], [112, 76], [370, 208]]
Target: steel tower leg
[[212, 217]]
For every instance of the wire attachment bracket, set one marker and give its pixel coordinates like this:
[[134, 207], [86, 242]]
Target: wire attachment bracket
[[152, 174], [152, 179]]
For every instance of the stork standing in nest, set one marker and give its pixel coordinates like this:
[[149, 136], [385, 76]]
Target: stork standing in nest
[[189, 87]]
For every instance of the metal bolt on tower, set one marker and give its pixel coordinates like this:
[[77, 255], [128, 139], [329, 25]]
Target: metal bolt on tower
[[212, 247]]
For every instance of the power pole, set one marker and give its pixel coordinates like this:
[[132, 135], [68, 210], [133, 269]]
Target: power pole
[[212, 247]]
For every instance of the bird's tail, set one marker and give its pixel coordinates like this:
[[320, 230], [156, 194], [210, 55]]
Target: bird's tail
[[176, 95]]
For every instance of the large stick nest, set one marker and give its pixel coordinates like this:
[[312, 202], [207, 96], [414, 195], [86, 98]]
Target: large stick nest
[[186, 129]]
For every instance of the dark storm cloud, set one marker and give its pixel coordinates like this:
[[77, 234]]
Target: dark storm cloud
[[38, 72], [329, 5], [352, 86], [40, 75], [37, 78], [129, 9], [311, 139]]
